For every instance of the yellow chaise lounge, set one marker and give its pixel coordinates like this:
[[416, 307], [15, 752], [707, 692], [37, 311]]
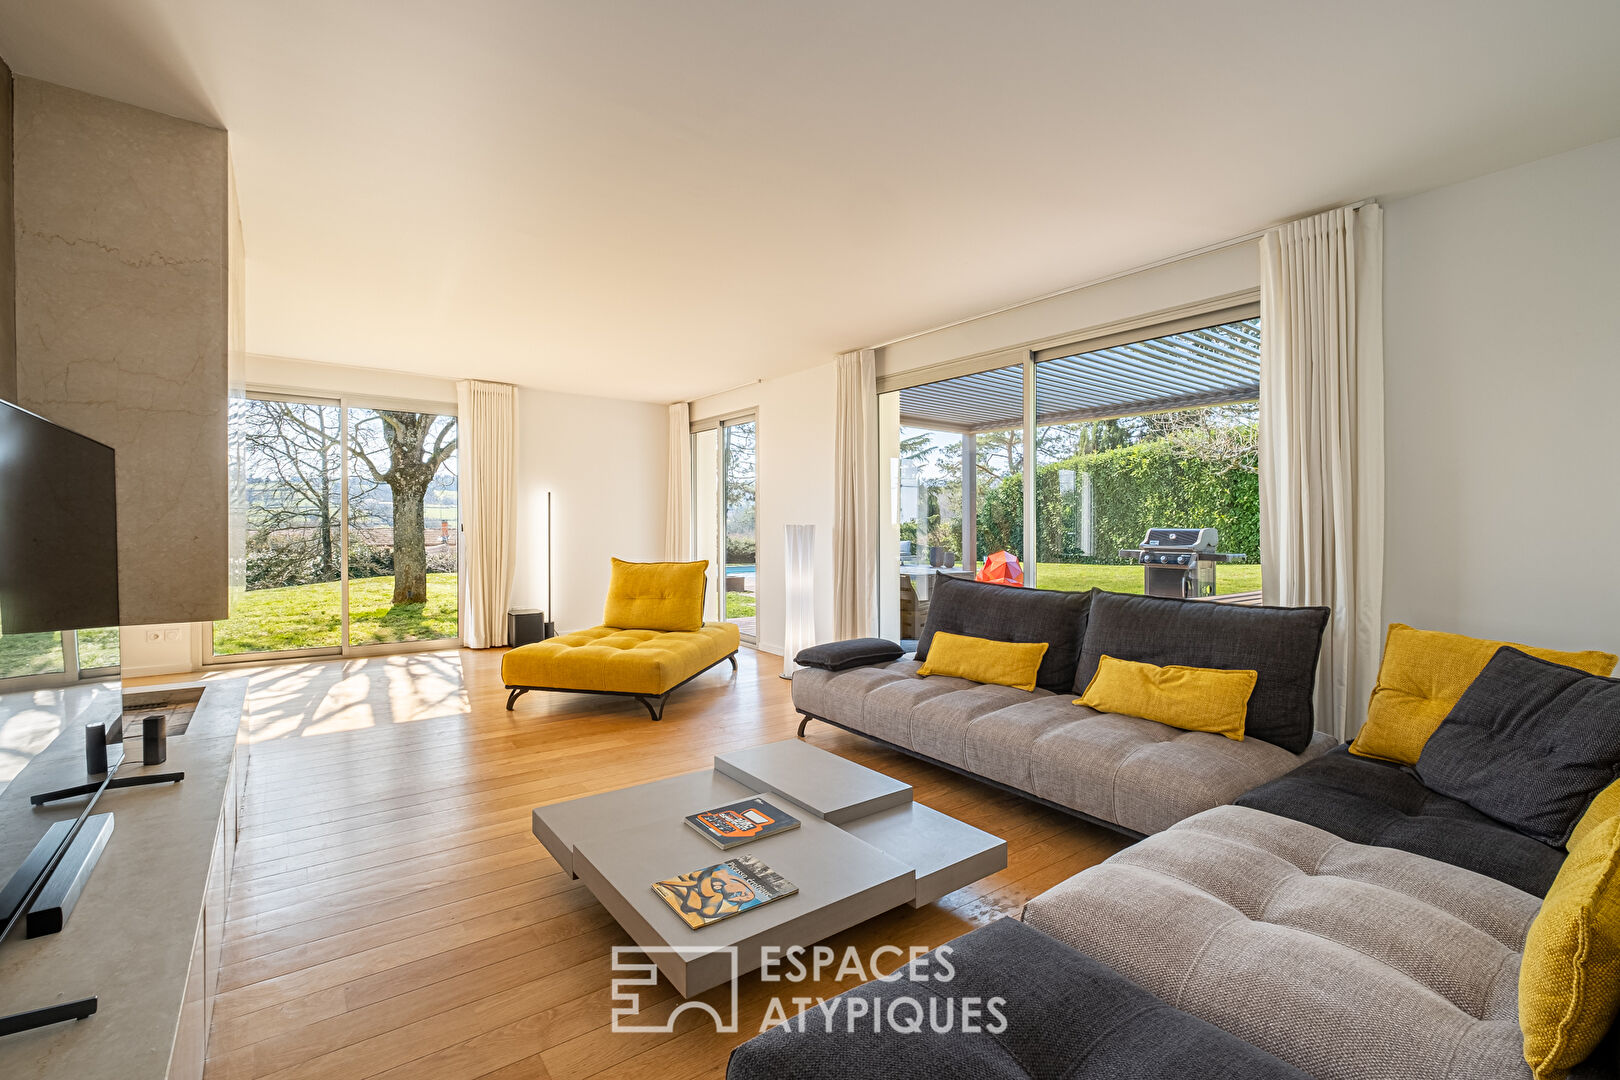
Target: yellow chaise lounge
[[653, 639]]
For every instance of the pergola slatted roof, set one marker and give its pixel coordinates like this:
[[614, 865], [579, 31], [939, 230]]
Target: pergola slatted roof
[[1218, 365]]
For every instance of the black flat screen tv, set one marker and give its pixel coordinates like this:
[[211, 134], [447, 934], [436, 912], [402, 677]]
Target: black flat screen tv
[[58, 527]]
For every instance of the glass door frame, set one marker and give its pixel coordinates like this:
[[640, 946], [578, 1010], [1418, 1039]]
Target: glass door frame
[[344, 403], [717, 464]]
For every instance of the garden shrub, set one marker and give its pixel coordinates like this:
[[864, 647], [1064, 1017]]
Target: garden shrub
[[1134, 488]]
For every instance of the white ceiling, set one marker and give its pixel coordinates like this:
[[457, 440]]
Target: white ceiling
[[663, 198]]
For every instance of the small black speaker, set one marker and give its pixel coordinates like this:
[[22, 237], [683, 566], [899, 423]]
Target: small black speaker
[[95, 748], [154, 740], [526, 627]]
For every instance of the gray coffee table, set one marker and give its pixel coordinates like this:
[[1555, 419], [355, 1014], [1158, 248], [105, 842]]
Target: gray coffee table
[[864, 847]]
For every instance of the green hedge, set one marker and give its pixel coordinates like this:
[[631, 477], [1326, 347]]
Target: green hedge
[[1134, 488]]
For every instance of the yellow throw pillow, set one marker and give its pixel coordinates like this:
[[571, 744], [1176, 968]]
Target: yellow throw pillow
[[1569, 978], [1424, 674], [1004, 663], [656, 595], [1601, 809], [1189, 698]]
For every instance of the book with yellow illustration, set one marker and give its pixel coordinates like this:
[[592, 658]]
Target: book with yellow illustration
[[723, 890]]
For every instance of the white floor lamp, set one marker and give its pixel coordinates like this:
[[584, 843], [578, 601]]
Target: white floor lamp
[[799, 593]]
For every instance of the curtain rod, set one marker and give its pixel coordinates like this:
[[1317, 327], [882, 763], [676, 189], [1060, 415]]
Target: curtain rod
[[1166, 261]]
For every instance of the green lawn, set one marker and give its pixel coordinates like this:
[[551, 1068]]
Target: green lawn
[[41, 654], [310, 616], [739, 605], [1234, 578]]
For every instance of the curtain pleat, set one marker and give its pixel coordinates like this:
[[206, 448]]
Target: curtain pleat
[[487, 452], [1322, 442], [854, 513], [678, 509]]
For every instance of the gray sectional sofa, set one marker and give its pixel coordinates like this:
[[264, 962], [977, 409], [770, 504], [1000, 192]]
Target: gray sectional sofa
[[1339, 921], [1133, 775]]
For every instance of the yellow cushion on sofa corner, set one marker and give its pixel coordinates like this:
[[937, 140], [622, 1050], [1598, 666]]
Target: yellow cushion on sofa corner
[[656, 595], [1003, 663], [1569, 977], [1424, 673], [1190, 698], [1599, 810]]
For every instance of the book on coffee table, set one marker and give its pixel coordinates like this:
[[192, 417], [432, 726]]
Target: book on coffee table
[[741, 822], [718, 892]]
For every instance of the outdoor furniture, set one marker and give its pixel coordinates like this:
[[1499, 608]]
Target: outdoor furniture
[[862, 847]]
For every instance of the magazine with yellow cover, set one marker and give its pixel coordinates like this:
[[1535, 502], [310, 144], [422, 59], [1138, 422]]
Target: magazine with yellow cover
[[718, 892]]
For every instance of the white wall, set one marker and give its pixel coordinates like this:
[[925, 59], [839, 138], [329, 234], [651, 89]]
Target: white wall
[[1075, 314], [1502, 355], [794, 456], [604, 461]]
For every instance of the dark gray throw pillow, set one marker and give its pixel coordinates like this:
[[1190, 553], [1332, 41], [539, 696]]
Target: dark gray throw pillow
[[856, 652], [1530, 743], [1280, 643], [1005, 613]]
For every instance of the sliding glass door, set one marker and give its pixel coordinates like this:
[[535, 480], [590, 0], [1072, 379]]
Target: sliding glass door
[[352, 527], [724, 486], [1048, 473]]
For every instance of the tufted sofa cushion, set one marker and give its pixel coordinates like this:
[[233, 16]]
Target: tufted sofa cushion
[[619, 661], [1346, 960], [1374, 802], [1075, 1020], [1135, 773]]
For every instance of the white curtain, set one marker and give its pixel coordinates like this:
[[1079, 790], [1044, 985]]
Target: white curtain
[[854, 514], [487, 449], [1322, 442], [799, 593], [678, 509]]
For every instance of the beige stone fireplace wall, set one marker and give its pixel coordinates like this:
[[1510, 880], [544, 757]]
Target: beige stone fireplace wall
[[122, 287]]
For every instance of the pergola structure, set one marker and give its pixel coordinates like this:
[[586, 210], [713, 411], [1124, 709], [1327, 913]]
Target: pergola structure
[[1216, 365]]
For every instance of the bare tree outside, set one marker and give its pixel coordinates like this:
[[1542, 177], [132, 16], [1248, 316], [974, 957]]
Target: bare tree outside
[[403, 451], [401, 532]]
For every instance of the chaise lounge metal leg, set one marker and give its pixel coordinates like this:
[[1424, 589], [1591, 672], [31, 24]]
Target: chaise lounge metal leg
[[733, 659], [511, 699], [804, 722], [655, 713]]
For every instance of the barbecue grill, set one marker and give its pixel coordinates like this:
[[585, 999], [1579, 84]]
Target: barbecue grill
[[1180, 562]]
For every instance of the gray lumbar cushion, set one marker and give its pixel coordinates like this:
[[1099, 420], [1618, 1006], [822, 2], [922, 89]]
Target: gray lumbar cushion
[[856, 652], [1529, 744], [1280, 643], [1004, 613]]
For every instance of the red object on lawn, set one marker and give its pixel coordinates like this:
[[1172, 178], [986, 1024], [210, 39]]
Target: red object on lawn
[[1001, 568]]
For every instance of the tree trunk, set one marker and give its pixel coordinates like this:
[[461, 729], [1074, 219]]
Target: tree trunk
[[410, 547]]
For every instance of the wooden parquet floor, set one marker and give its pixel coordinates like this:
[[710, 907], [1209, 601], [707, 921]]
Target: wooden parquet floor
[[392, 916]]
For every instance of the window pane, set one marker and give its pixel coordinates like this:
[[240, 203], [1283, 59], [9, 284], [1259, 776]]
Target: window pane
[[30, 654], [742, 542], [98, 648], [953, 453], [292, 471], [404, 527], [1112, 461]]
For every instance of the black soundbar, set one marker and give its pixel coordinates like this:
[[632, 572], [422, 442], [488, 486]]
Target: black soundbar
[[55, 902]]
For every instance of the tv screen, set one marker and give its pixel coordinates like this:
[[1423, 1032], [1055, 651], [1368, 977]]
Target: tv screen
[[58, 527]]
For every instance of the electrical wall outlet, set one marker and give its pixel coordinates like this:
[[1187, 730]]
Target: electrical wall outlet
[[154, 635], [171, 634]]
